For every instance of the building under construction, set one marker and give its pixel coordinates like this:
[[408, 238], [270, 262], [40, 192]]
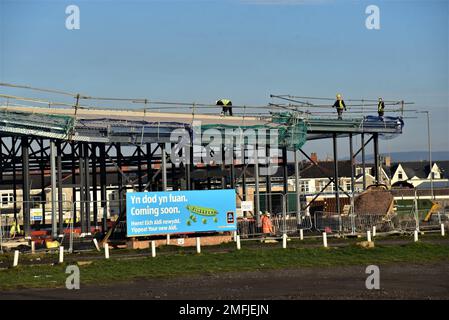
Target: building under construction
[[99, 152]]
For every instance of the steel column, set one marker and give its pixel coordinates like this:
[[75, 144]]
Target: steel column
[[94, 184], [87, 185], [376, 157], [139, 169], [269, 207], [54, 231], [42, 167], [26, 186], [284, 170], [336, 179], [164, 167], [118, 149], [351, 152], [14, 175], [297, 184], [256, 176], [74, 198], [103, 183], [60, 199], [81, 187]]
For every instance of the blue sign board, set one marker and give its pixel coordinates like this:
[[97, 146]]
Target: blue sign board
[[151, 213]]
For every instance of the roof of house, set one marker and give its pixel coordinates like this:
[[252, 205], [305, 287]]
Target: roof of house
[[420, 169], [325, 169], [436, 185]]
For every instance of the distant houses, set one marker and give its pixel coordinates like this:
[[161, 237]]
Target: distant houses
[[405, 179]]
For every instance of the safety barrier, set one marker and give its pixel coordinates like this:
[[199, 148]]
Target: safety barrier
[[360, 223]]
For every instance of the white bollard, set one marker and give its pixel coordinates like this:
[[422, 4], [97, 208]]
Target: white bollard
[[325, 239], [198, 245], [106, 251], [284, 241], [442, 229], [33, 247], [61, 254], [374, 231], [238, 242], [301, 234], [235, 236], [16, 258], [96, 244], [168, 239], [368, 236], [416, 235], [153, 249]]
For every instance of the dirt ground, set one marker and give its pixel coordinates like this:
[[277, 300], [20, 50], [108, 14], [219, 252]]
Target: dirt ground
[[399, 281]]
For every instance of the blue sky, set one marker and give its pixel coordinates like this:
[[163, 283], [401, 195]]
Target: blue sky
[[244, 50]]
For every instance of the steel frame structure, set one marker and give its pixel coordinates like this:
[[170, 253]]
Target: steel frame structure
[[81, 159]]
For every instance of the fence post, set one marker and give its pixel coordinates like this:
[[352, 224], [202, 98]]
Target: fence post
[[96, 244], [106, 251], [325, 239], [16, 258], [374, 231], [153, 249], [368, 236], [33, 247], [238, 242], [284, 241], [301, 234], [442, 229], [198, 245], [61, 254], [416, 235]]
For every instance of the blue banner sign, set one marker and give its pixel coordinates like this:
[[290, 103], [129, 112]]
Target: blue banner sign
[[151, 213]]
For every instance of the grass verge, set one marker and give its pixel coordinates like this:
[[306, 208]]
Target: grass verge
[[185, 264]]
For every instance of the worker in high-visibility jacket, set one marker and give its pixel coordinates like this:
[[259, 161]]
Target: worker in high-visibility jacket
[[15, 229], [227, 106], [381, 107], [340, 106], [267, 225]]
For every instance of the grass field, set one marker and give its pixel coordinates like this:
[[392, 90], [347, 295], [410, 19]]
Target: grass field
[[181, 263]]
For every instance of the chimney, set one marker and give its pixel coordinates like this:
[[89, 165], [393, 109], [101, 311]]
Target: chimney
[[387, 161], [314, 157]]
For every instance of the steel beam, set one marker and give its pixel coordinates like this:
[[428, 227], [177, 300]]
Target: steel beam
[[363, 161]]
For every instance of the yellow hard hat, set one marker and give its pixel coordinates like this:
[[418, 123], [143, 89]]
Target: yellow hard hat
[[338, 95]]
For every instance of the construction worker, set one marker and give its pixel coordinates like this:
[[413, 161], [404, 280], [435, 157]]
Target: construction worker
[[381, 107], [15, 229], [227, 106], [340, 105], [267, 225]]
